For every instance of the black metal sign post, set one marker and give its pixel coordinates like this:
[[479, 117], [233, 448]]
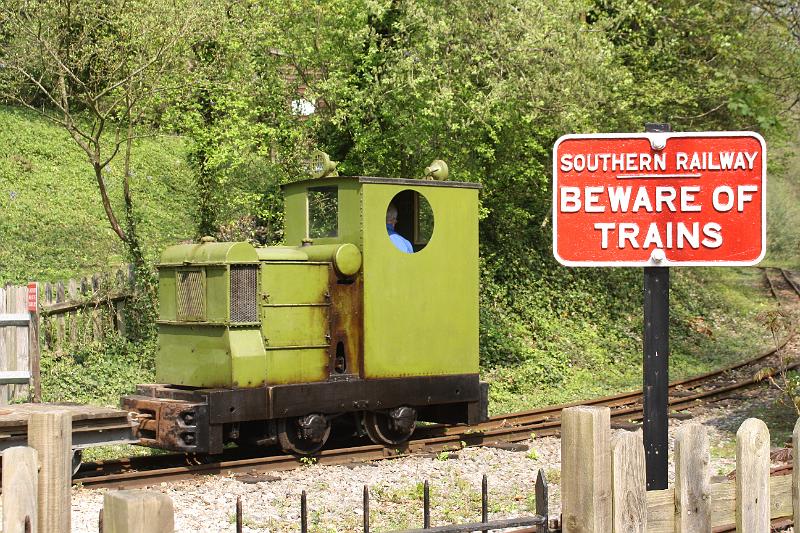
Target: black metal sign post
[[656, 366]]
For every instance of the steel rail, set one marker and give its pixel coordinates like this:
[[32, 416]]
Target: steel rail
[[787, 276], [771, 285]]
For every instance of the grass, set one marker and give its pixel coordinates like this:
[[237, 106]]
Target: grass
[[106, 453], [52, 222], [724, 450]]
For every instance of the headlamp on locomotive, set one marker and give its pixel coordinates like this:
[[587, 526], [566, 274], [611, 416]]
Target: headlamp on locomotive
[[271, 345]]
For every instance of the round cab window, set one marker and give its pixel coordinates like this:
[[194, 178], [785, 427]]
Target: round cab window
[[409, 221]]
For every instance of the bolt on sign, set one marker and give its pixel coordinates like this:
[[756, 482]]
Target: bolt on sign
[[659, 199]]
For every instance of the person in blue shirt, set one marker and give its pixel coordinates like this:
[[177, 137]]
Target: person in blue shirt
[[400, 242]]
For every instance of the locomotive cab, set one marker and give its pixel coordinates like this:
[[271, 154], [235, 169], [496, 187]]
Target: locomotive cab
[[272, 344]]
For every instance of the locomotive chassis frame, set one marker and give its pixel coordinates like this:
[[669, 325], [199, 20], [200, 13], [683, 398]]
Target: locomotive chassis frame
[[194, 420]]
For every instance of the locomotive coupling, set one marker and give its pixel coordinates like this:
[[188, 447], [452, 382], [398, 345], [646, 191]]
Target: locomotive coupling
[[170, 424]]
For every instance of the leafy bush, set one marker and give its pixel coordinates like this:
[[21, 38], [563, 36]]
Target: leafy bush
[[97, 373]]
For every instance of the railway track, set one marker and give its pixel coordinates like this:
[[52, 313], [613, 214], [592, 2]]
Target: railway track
[[626, 411], [780, 280]]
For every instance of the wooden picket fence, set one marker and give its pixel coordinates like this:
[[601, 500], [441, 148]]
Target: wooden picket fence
[[68, 314], [84, 310], [603, 481]]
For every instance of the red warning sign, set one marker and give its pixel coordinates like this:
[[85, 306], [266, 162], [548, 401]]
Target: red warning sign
[[659, 199], [33, 296]]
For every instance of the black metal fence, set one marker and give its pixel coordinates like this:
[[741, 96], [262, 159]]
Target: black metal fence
[[540, 521]]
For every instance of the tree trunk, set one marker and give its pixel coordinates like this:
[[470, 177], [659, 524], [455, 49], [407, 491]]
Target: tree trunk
[[112, 219]]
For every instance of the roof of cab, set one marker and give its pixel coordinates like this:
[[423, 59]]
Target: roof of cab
[[388, 181], [208, 253]]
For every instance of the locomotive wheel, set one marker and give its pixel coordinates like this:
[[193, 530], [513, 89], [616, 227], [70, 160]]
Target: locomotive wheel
[[303, 435], [392, 427]]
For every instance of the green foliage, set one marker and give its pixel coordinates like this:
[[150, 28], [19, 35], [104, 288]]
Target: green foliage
[[308, 461], [699, 65], [487, 85], [235, 111], [586, 337], [51, 219], [793, 388], [476, 84], [96, 71], [783, 206], [142, 306], [97, 373]]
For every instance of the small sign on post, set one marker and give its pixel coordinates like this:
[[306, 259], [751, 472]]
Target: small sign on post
[[33, 296], [659, 199]]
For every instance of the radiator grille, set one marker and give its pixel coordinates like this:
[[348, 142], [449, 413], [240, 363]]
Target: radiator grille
[[191, 300], [244, 293]]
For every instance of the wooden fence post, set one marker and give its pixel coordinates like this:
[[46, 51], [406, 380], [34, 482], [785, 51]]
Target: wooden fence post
[[137, 511], [796, 471], [752, 477], [20, 481], [586, 469], [34, 352], [629, 483], [21, 341], [60, 323], [692, 480], [72, 290], [50, 433], [45, 324], [5, 349]]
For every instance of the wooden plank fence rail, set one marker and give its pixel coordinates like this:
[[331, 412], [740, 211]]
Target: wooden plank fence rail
[[15, 377], [692, 504], [84, 310], [15, 319]]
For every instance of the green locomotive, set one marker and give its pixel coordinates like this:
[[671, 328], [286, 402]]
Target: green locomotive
[[271, 345]]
